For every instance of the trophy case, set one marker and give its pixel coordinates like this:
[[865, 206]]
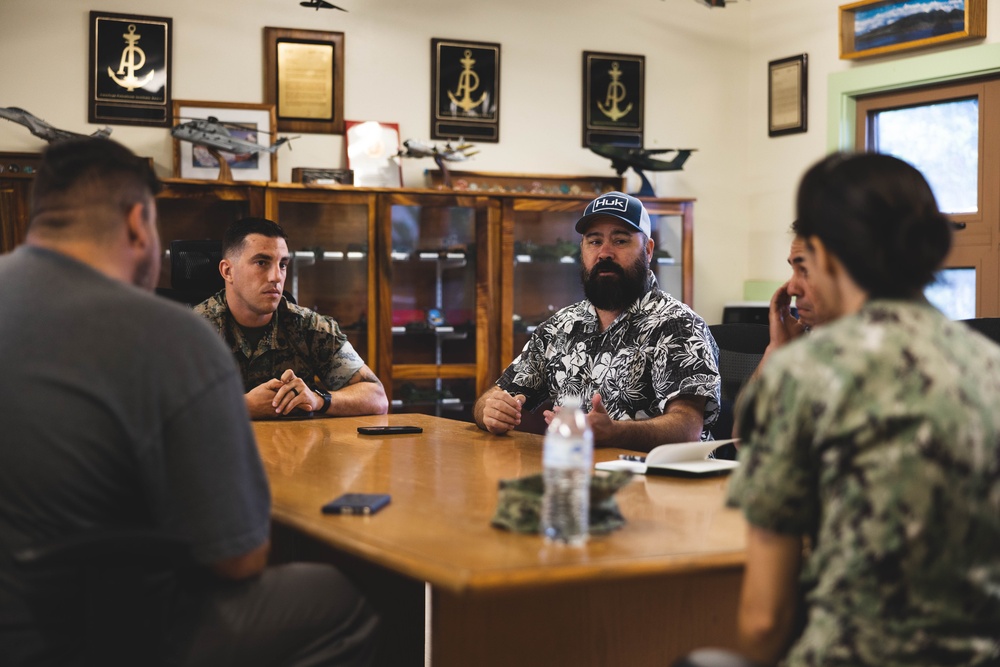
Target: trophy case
[[436, 301]]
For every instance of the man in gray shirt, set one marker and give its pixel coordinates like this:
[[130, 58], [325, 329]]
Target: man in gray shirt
[[124, 411]]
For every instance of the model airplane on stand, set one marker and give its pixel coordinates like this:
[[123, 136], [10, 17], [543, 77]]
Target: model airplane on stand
[[43, 130], [640, 159], [449, 153], [217, 137]]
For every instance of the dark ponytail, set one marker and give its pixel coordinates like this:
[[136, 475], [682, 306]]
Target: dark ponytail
[[877, 214]]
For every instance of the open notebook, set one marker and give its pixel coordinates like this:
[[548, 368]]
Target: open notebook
[[683, 458]]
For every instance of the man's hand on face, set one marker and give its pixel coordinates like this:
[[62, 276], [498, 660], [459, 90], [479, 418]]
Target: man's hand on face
[[783, 326]]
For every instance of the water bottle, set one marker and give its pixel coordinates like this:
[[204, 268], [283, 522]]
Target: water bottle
[[567, 458]]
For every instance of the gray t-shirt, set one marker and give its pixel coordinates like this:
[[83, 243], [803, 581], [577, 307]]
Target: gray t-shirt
[[118, 409]]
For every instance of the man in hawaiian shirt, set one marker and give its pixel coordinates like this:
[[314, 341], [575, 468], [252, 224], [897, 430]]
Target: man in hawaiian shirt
[[644, 363]]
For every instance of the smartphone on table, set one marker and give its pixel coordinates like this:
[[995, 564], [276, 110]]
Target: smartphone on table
[[357, 503], [388, 430]]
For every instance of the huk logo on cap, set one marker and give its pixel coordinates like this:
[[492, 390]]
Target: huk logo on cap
[[612, 202]]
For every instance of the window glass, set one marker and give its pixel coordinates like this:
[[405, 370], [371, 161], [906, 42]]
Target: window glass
[[942, 141], [954, 293]]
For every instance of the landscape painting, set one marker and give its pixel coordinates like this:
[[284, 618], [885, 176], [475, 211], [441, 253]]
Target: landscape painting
[[874, 27]]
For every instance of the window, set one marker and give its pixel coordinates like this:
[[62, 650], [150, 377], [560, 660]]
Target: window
[[945, 133]]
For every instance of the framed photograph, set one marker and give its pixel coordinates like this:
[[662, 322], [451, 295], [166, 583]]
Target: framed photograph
[[371, 153], [304, 79], [787, 95], [465, 90], [252, 123], [613, 97], [129, 69], [875, 27]]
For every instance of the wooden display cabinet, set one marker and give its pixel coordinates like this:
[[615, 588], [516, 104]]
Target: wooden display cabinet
[[437, 291], [437, 300]]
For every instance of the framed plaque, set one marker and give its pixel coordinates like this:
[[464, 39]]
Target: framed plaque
[[465, 90], [613, 97], [129, 69], [304, 79], [787, 96]]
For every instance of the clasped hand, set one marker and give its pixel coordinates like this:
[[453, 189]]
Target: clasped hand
[[281, 396]]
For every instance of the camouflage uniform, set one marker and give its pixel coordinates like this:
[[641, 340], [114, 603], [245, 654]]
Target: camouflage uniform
[[312, 345], [877, 439], [656, 350]]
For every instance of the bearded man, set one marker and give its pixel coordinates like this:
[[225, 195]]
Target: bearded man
[[645, 365]]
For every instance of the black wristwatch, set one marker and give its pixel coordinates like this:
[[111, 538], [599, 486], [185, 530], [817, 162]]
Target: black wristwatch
[[326, 400]]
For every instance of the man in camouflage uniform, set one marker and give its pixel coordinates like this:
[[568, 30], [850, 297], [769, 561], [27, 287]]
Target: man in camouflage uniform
[[875, 443], [642, 361], [291, 358]]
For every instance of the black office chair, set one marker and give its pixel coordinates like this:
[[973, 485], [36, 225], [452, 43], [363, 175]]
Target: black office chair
[[988, 326], [741, 347], [194, 270], [112, 609]]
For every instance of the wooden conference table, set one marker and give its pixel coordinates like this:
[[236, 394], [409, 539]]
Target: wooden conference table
[[665, 583]]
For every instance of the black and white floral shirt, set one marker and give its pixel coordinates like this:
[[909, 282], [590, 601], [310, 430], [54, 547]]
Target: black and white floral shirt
[[656, 350]]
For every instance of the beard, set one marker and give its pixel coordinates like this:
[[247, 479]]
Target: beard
[[615, 292]]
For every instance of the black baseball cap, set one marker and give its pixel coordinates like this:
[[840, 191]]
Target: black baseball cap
[[619, 205]]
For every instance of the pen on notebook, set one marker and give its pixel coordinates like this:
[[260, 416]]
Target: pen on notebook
[[632, 457]]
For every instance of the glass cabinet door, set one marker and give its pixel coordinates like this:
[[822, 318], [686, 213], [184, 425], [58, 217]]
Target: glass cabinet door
[[546, 268], [331, 267], [200, 211], [432, 304]]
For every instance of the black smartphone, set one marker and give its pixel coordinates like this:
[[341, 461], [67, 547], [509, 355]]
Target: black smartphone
[[357, 503], [388, 430]]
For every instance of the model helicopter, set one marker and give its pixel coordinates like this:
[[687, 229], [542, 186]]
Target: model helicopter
[[320, 4], [449, 153], [217, 137], [639, 159], [43, 130]]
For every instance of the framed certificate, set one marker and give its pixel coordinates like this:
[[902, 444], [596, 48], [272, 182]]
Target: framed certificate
[[304, 79], [787, 96]]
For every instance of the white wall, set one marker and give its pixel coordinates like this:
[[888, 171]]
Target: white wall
[[706, 87]]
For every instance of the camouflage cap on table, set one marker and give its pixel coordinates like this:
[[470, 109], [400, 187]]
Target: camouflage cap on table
[[519, 504]]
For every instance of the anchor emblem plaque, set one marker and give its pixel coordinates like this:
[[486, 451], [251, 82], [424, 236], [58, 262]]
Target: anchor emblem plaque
[[613, 95], [465, 96], [130, 69]]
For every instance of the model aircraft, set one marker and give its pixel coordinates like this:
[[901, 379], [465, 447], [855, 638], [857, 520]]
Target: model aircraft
[[213, 133], [320, 4], [623, 157], [414, 148], [449, 153], [43, 130]]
